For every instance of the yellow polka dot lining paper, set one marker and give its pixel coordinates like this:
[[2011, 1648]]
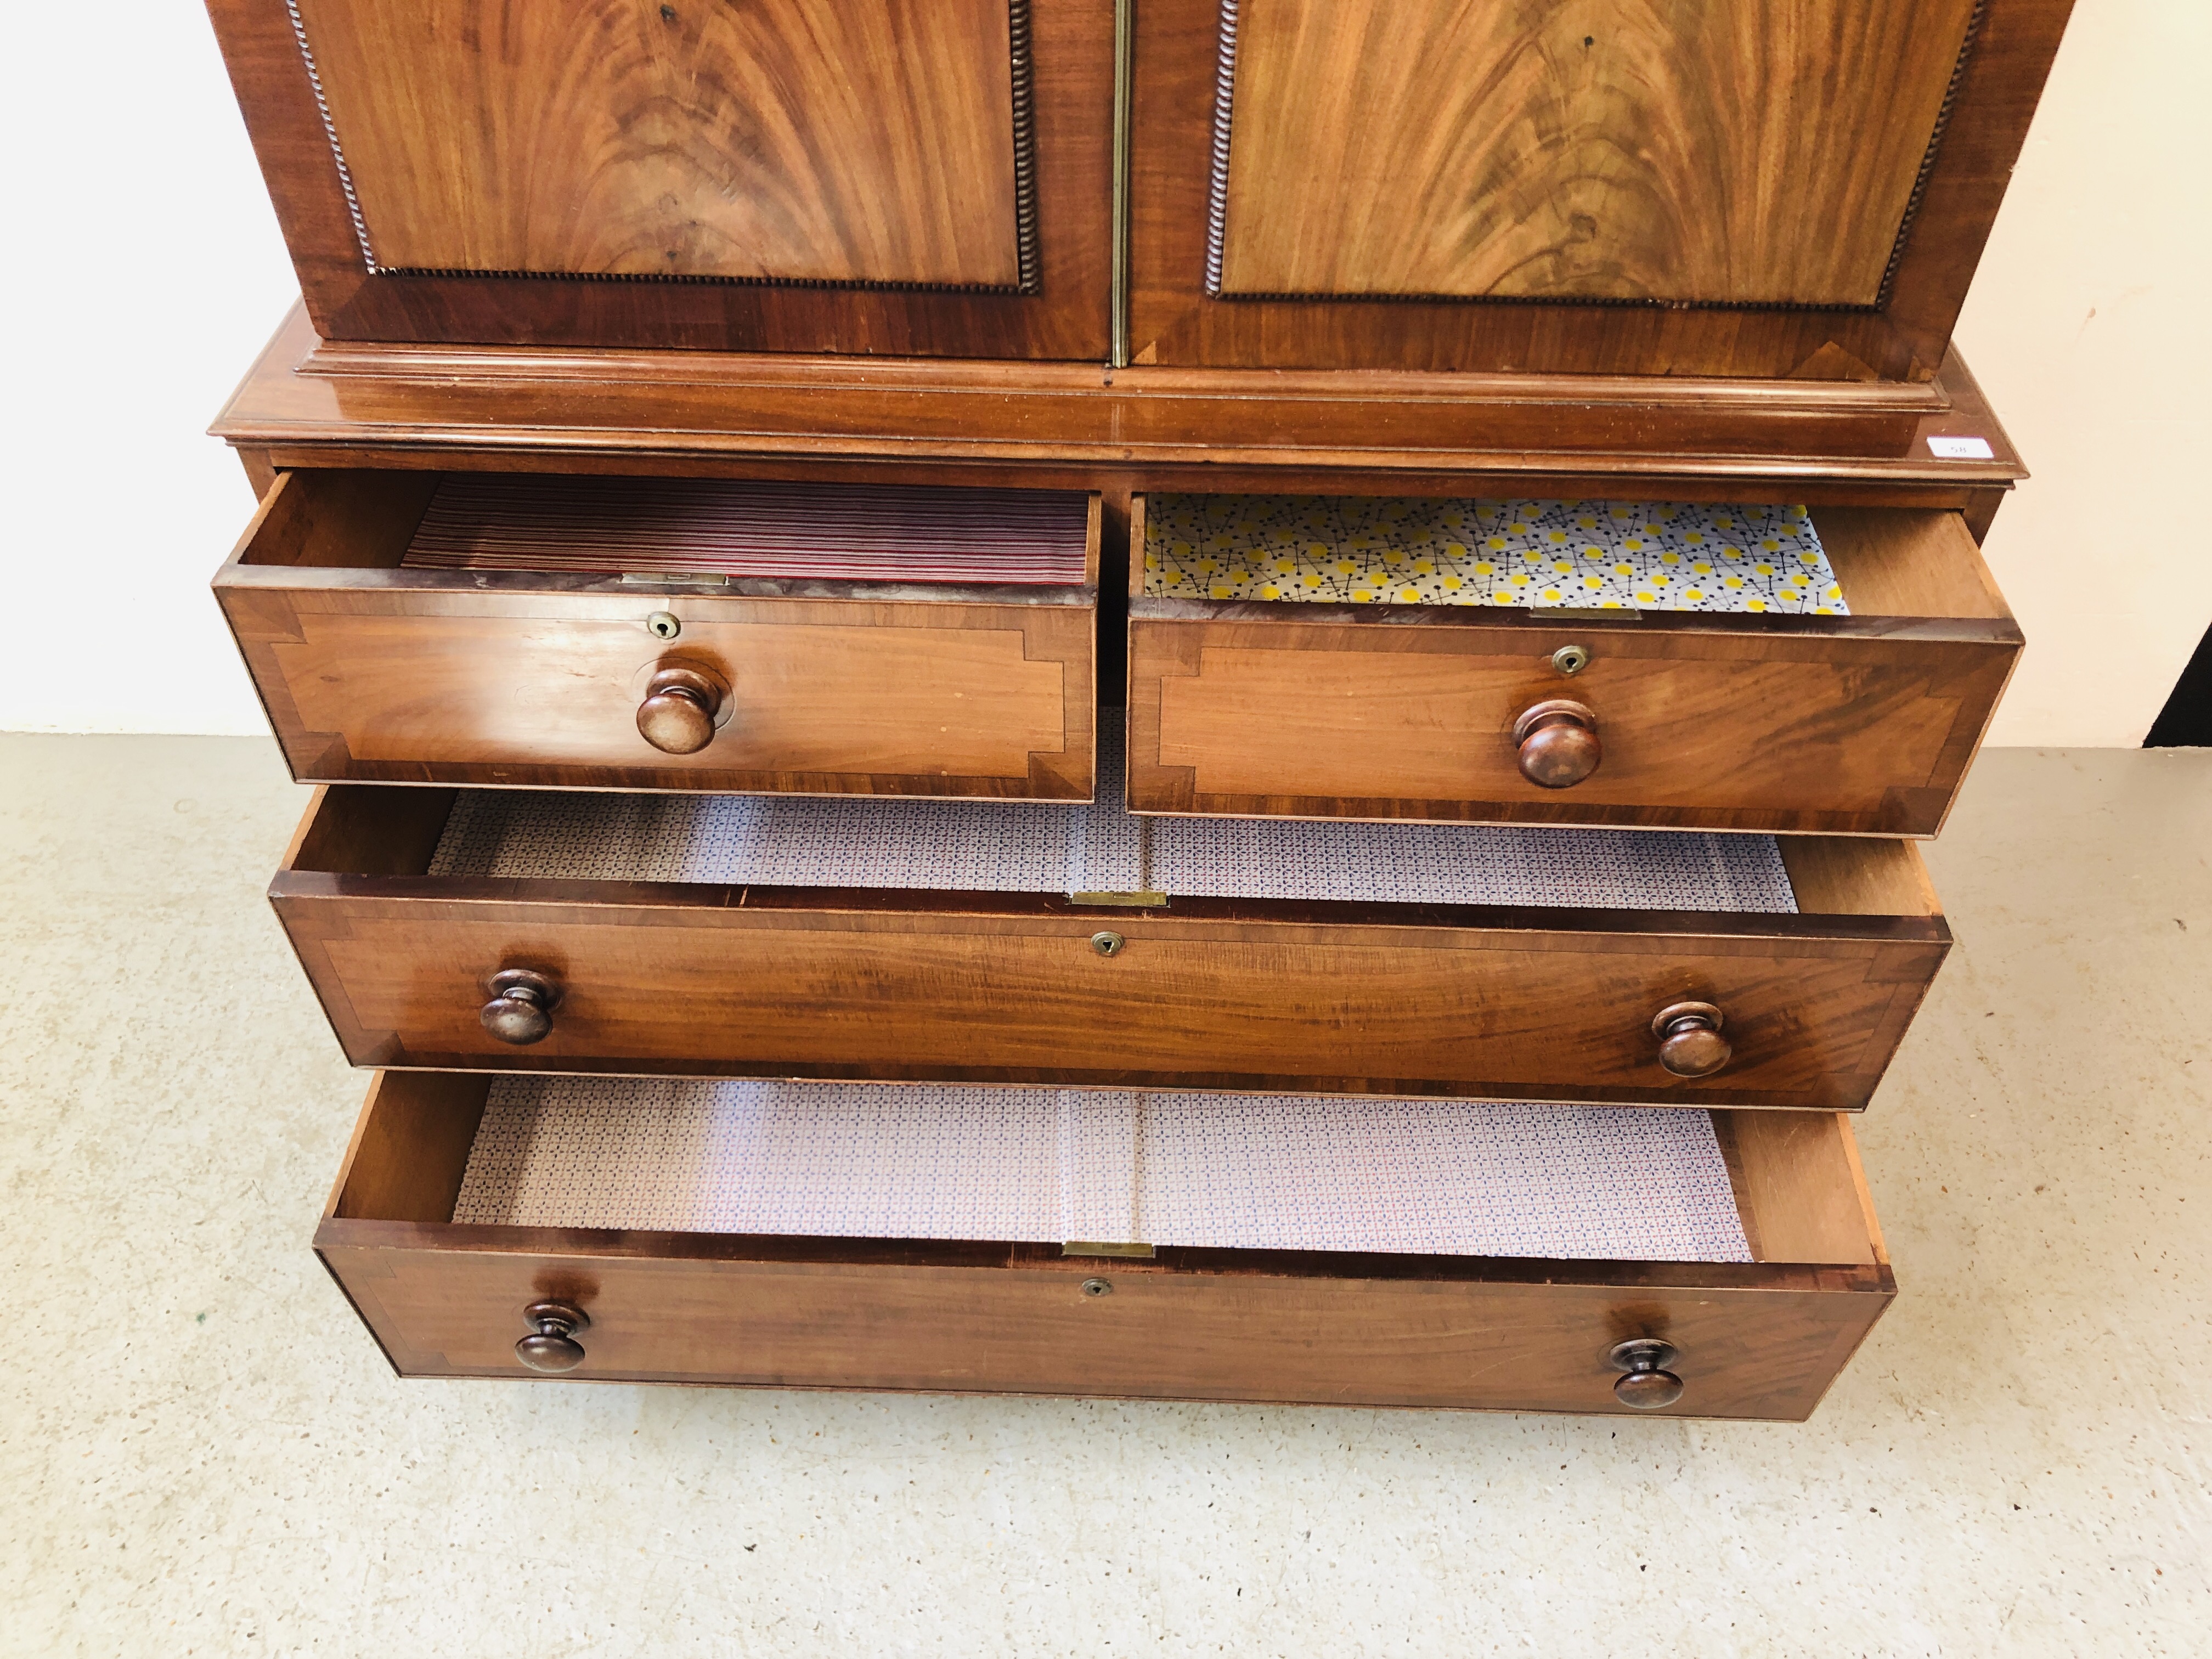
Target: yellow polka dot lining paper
[[1630, 555]]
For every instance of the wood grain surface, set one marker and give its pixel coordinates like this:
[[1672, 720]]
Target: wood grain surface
[[385, 832], [1862, 724], [314, 404], [1761, 1340], [840, 141], [1175, 320], [1864, 875], [1172, 320], [1799, 1190], [803, 140], [370, 671], [410, 1151], [1688, 150], [1271, 995]]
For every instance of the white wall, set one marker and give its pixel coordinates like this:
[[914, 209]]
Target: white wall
[[147, 271], [144, 273], [2086, 326]]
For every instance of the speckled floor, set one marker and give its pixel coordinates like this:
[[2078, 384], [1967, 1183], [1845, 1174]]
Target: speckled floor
[[202, 1452]]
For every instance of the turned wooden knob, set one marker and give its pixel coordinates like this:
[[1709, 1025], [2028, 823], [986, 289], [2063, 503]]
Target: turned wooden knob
[[551, 1346], [678, 714], [1647, 1385], [1558, 744], [1690, 1040], [520, 1011]]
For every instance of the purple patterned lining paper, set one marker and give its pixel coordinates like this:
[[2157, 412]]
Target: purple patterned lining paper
[[915, 1161], [1016, 847]]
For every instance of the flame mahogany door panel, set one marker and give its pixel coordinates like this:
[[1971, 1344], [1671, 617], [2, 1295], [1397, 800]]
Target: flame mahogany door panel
[[919, 177], [1768, 188]]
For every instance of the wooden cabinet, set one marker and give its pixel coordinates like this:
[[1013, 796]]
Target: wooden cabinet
[[1762, 1338], [1343, 900], [890, 592], [1775, 188], [915, 176]]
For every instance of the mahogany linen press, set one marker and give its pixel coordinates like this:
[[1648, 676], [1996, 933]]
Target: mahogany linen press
[[1198, 699]]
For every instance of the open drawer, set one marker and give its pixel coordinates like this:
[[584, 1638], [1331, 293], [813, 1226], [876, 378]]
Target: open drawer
[[735, 936], [673, 633], [798, 1236], [1747, 668]]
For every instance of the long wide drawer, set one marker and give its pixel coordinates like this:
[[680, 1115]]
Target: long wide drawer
[[1320, 658], [1760, 1335], [648, 634], [1029, 943]]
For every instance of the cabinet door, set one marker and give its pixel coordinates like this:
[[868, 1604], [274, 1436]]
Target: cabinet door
[[792, 175], [1760, 187]]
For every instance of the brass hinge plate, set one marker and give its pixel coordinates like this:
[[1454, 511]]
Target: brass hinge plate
[[1124, 901], [1095, 1246]]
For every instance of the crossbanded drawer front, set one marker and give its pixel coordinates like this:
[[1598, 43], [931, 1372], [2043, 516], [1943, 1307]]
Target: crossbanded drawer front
[[1399, 1253], [679, 633], [1829, 670], [1086, 945]]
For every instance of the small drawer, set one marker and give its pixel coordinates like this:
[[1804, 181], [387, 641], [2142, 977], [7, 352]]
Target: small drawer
[[673, 633], [1373, 1252], [1826, 670], [729, 936]]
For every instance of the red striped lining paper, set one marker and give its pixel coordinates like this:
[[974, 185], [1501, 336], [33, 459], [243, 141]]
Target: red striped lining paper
[[853, 533]]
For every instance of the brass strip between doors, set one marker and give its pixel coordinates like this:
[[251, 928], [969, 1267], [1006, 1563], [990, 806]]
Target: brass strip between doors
[[1125, 50]]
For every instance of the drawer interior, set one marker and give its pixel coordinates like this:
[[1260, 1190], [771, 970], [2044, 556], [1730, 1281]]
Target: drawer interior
[[1109, 1173], [1099, 846], [1094, 847], [1709, 558], [678, 528]]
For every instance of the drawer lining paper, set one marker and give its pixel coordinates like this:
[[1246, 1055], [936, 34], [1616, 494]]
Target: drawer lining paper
[[1040, 1165], [1633, 555], [1100, 846]]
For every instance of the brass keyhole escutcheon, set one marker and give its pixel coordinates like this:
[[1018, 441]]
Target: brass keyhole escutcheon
[[1107, 945], [1571, 659], [663, 625], [1096, 1287]]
